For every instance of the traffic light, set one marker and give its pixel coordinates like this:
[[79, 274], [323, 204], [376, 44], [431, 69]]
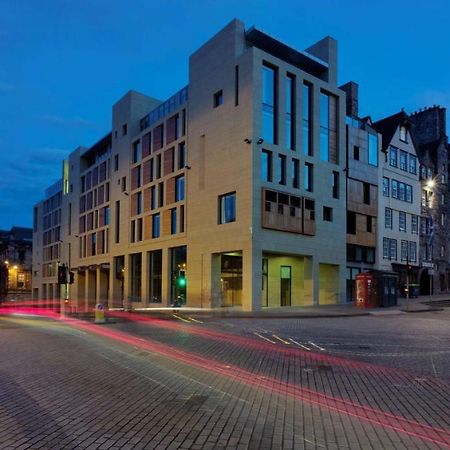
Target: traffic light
[[71, 277], [62, 274], [181, 280]]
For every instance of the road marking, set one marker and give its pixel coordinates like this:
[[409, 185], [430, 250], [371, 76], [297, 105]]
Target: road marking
[[300, 345], [181, 318], [263, 337], [195, 320], [281, 339], [317, 346]]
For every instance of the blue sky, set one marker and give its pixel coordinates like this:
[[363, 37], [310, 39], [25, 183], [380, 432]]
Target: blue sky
[[64, 63]]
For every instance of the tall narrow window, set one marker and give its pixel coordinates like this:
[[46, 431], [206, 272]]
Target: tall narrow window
[[236, 85], [155, 226], [366, 193], [179, 188], [385, 187], [401, 221], [403, 160], [269, 104], [290, 112], [137, 151], [281, 169], [181, 155], [393, 156], [328, 128], [295, 167], [335, 184], [307, 148], [227, 208], [388, 218], [173, 221], [373, 149], [218, 98], [266, 165], [308, 177], [117, 223]]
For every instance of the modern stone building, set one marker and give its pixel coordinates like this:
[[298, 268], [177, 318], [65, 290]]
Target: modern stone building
[[229, 193], [429, 131], [399, 199], [363, 165]]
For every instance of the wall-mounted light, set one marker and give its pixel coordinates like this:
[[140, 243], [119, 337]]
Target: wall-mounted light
[[260, 141], [126, 193], [247, 141], [187, 167]]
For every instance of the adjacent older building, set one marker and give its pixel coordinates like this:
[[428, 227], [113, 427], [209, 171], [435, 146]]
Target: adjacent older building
[[429, 131], [399, 199], [15, 263], [229, 193]]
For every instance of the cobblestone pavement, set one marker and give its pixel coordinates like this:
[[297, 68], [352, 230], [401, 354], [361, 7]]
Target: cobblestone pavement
[[357, 382]]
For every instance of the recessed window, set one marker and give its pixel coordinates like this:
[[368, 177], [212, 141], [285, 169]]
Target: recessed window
[[366, 193], [179, 188], [218, 98], [124, 129], [308, 177], [266, 165], [155, 226], [227, 208], [403, 134], [327, 214], [356, 152], [116, 163]]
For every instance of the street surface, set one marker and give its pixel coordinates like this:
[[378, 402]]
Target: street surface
[[372, 382]]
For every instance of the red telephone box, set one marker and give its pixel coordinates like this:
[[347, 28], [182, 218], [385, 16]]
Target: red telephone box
[[366, 290]]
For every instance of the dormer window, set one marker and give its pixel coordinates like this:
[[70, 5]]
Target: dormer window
[[403, 134]]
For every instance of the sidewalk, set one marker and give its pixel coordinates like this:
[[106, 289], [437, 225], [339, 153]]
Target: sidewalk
[[404, 306]]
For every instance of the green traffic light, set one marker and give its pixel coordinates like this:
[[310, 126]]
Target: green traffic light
[[181, 282]]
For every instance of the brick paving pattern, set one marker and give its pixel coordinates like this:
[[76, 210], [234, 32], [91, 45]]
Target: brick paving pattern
[[377, 383]]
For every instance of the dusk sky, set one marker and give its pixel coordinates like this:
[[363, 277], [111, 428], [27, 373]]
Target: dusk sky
[[64, 63]]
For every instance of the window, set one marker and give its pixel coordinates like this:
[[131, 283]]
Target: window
[[386, 247], [443, 179], [181, 155], [236, 85], [404, 250], [307, 90], [139, 203], [385, 187], [373, 149], [124, 129], [366, 193], [158, 167], [324, 126], [133, 231], [139, 229], [442, 199], [160, 195], [266, 166], [116, 163], [351, 222], [308, 177], [403, 160], [412, 252], [356, 152], [218, 98], [412, 164], [327, 214], [137, 151], [152, 194], [117, 221], [155, 226], [409, 195], [173, 221], [401, 221], [124, 184], [393, 249], [179, 188], [281, 169], [269, 103], [403, 134], [388, 218], [443, 219], [392, 156], [414, 224], [290, 112], [442, 251], [295, 167], [394, 186], [369, 224], [335, 184], [227, 208], [401, 191]]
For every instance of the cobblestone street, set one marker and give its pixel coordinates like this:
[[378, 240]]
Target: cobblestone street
[[355, 382]]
